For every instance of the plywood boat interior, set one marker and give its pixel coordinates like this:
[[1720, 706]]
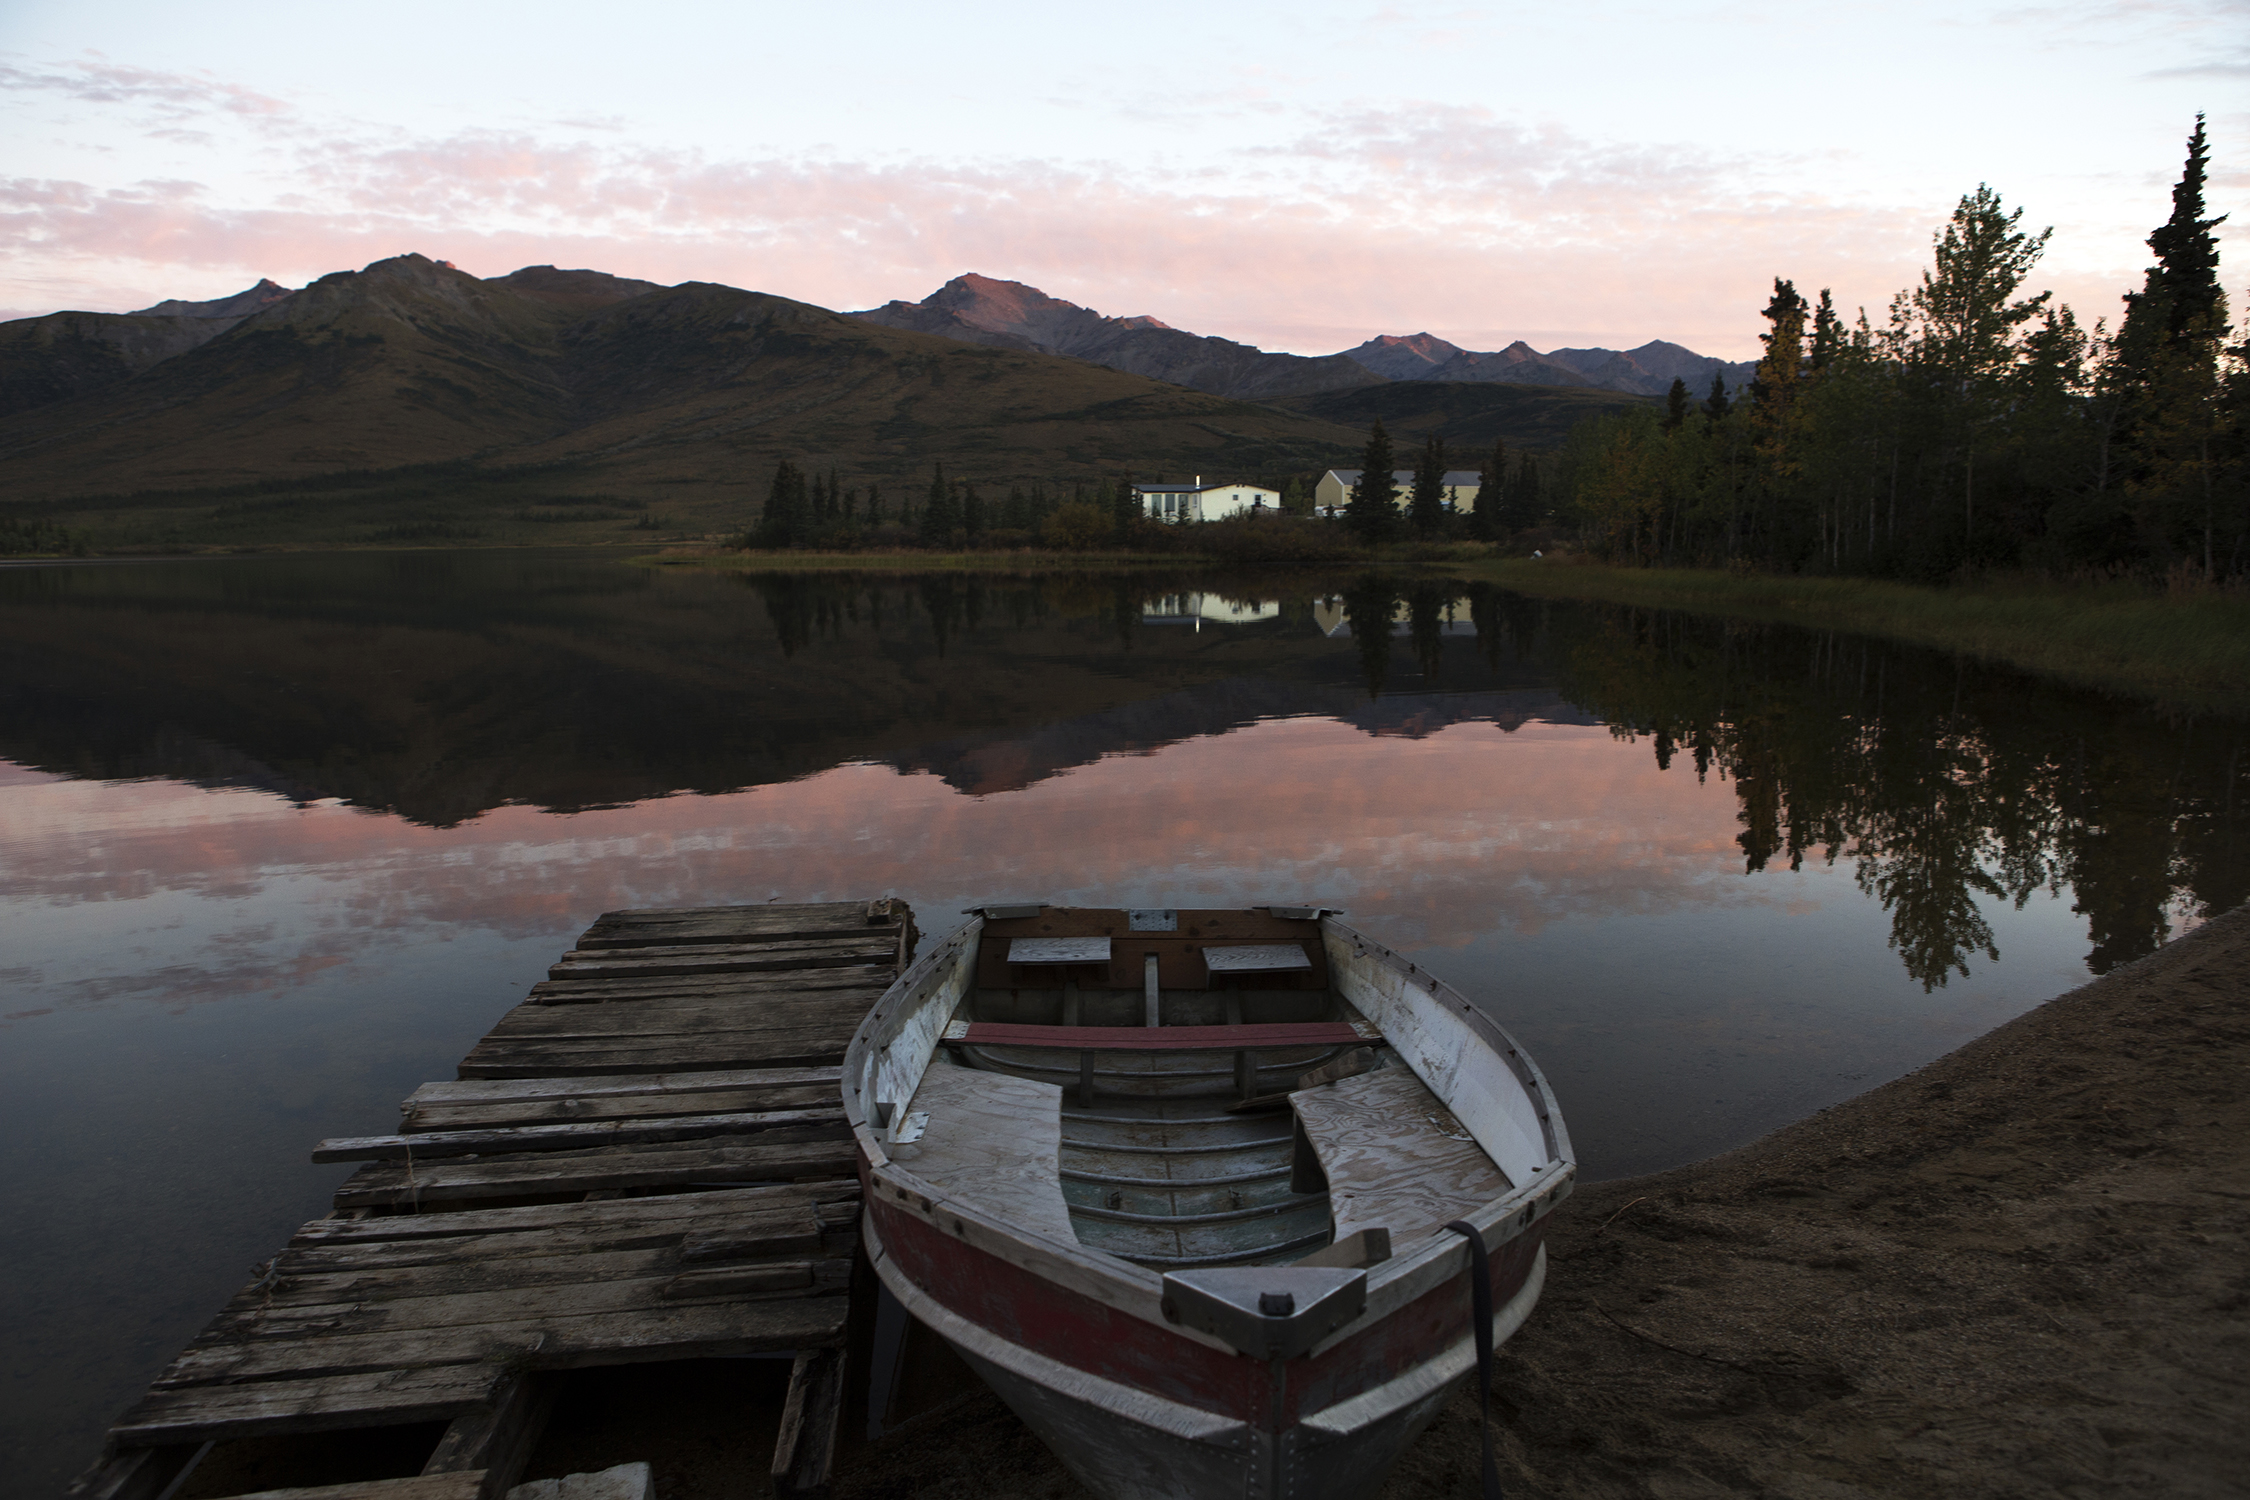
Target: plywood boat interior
[[1152, 1166]]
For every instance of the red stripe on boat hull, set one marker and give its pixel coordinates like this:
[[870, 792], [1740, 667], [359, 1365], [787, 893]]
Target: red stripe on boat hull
[[1165, 1038], [1036, 1314]]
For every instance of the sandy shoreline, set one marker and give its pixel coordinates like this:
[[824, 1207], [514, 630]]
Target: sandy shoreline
[[2022, 1270]]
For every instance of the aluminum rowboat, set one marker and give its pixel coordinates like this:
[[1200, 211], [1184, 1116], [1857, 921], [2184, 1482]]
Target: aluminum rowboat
[[1175, 1184]]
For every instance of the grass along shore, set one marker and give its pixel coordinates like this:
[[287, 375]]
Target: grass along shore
[[2183, 647]]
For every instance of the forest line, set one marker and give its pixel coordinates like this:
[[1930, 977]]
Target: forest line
[[1978, 427]]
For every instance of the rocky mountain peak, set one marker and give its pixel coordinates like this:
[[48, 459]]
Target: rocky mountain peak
[[240, 305]]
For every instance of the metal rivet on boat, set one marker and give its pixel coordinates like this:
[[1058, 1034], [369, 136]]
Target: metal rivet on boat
[[1276, 1304]]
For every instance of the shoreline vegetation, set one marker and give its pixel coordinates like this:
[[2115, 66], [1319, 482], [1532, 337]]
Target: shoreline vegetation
[[2015, 1270]]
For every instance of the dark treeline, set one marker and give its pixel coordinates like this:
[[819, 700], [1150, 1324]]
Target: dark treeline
[[1943, 783], [820, 512], [38, 539], [1978, 426]]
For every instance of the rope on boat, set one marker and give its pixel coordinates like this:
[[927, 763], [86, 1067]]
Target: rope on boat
[[1480, 1313]]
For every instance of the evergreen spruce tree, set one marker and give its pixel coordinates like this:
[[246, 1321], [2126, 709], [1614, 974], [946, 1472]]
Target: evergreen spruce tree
[[1124, 506], [1526, 507], [1489, 519], [1372, 512], [2184, 429], [1716, 405], [874, 505], [2184, 282], [1827, 333], [785, 522], [972, 514], [1427, 508], [1676, 404], [941, 512]]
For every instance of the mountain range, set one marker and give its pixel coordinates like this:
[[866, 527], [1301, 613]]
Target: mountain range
[[1010, 315], [575, 386]]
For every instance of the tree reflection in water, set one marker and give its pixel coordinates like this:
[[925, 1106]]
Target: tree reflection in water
[[1944, 782]]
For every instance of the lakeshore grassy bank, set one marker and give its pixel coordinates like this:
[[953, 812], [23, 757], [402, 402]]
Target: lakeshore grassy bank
[[2183, 648]]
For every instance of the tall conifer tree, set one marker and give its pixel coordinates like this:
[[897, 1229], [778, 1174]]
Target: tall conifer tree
[[1676, 404], [1372, 511], [1427, 508], [941, 513], [1716, 405], [1489, 519], [2185, 278]]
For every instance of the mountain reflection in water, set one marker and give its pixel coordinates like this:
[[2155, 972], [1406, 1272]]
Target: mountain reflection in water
[[437, 686]]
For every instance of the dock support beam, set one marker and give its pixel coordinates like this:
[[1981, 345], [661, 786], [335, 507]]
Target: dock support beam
[[498, 1438], [1153, 996]]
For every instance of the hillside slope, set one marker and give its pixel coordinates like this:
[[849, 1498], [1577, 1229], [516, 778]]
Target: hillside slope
[[1467, 415], [69, 354]]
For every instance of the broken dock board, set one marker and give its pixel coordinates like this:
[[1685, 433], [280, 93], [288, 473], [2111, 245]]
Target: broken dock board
[[646, 1160]]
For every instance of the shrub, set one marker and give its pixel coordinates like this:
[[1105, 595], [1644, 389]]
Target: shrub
[[1077, 528], [1274, 539]]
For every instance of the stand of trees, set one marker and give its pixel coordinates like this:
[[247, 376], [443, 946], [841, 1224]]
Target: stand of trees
[[815, 511], [1977, 426]]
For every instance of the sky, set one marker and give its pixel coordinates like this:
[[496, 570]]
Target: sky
[[1300, 176]]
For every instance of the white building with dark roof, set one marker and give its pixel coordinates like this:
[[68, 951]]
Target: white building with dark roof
[[1204, 502]]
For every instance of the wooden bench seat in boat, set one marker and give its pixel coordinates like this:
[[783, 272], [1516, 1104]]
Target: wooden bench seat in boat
[[1165, 1038], [1395, 1156], [993, 1140]]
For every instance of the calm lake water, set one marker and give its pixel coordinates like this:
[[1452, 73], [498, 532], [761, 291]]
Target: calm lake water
[[280, 837]]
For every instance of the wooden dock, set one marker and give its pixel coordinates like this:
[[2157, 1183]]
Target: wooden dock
[[646, 1160]]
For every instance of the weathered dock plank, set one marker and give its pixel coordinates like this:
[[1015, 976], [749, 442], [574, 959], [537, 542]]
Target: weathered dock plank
[[531, 1221], [477, 1091], [318, 1403], [435, 1144], [707, 1330], [555, 1058], [720, 924], [722, 958]]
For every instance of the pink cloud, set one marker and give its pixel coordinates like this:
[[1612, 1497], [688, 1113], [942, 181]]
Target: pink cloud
[[166, 96], [1371, 221]]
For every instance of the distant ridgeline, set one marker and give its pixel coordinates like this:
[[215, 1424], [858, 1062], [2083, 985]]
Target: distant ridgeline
[[1980, 426]]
